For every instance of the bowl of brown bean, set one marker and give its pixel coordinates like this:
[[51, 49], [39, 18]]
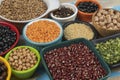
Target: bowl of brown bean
[[23, 60], [5, 70], [74, 59], [42, 32], [107, 21], [23, 11]]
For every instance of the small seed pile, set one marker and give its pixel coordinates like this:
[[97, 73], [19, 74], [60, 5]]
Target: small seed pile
[[75, 62], [63, 12], [22, 9], [108, 19], [3, 71], [78, 30], [22, 59], [43, 31]]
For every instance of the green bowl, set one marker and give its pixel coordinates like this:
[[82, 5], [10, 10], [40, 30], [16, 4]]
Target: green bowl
[[26, 73]]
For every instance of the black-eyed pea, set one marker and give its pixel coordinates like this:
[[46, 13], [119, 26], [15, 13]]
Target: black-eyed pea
[[31, 61]]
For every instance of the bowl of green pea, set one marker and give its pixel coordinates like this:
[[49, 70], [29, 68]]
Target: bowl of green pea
[[109, 48]]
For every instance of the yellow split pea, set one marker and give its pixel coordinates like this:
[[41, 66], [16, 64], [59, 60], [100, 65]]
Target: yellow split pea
[[43, 31]]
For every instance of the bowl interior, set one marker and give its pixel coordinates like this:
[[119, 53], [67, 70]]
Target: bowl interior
[[93, 1], [96, 41], [67, 5], [83, 22], [50, 6], [31, 69], [44, 44], [67, 43], [8, 66], [13, 28]]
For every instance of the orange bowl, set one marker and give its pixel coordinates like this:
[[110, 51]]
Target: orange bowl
[[86, 16]]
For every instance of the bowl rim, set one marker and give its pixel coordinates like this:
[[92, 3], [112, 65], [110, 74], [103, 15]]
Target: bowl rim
[[39, 43], [82, 22], [8, 67], [93, 1], [66, 4], [11, 26], [30, 69]]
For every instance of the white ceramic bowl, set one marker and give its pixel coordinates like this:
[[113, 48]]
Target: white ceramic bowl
[[51, 5], [66, 19]]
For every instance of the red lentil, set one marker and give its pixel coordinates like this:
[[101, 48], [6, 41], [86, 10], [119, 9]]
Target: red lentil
[[43, 31]]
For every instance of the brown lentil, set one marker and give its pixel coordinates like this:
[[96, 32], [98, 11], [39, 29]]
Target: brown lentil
[[22, 59], [78, 30], [108, 19], [22, 9], [43, 31], [75, 62], [3, 71]]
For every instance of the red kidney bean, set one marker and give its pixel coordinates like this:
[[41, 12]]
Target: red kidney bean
[[75, 62]]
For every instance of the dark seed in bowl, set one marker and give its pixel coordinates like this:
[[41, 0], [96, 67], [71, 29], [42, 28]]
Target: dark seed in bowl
[[7, 38], [88, 7], [3, 71], [63, 12], [75, 62]]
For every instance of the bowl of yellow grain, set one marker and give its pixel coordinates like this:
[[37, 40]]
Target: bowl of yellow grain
[[79, 29]]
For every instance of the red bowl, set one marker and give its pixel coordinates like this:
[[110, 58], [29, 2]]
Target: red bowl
[[13, 28]]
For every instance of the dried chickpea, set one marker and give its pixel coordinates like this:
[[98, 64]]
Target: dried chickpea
[[22, 59], [108, 19]]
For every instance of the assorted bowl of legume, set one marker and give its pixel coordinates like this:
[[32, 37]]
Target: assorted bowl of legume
[[5, 70], [109, 49], [23, 60], [64, 39], [79, 29], [9, 37], [74, 59]]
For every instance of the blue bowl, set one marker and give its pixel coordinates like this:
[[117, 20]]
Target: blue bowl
[[40, 45]]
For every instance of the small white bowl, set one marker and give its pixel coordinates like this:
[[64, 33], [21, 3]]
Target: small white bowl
[[51, 5], [66, 19]]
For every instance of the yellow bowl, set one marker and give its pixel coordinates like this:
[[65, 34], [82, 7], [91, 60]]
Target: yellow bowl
[[8, 67]]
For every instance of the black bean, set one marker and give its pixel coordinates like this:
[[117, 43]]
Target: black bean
[[7, 38], [3, 71], [74, 62], [88, 7]]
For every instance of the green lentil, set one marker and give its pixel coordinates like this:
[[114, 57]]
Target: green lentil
[[110, 50]]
